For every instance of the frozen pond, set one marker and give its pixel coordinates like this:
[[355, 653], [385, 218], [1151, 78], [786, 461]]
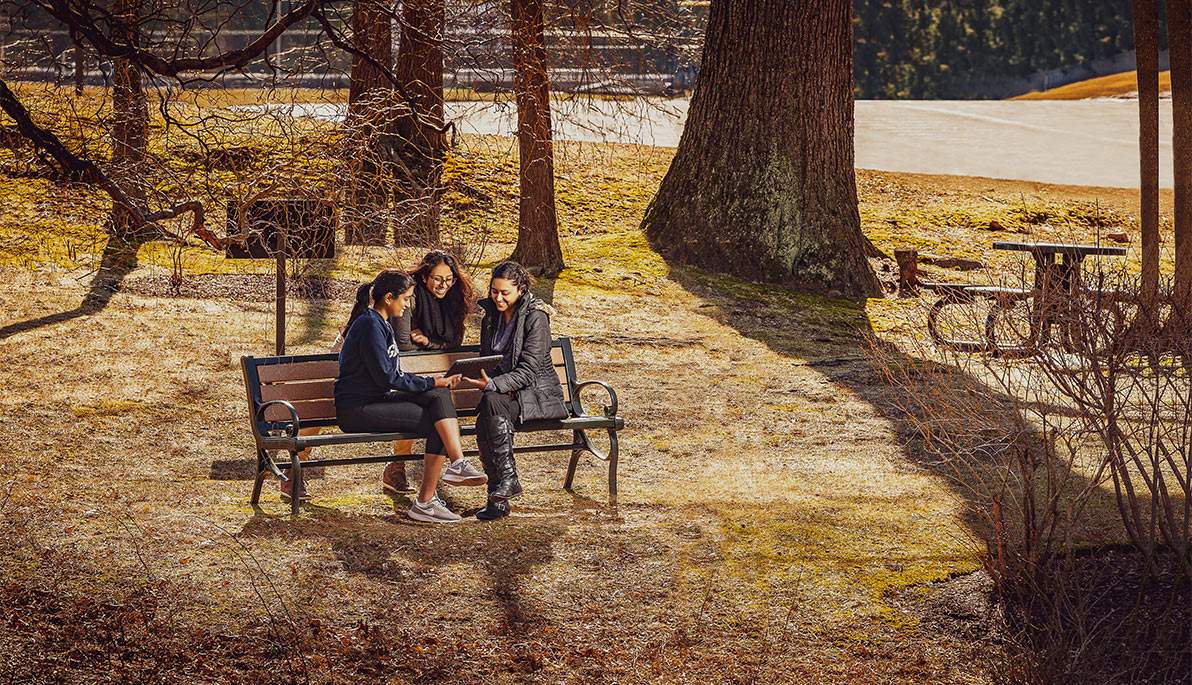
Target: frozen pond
[[1084, 142]]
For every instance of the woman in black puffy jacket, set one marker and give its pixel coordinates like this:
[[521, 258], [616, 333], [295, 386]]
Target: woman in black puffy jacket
[[524, 387]]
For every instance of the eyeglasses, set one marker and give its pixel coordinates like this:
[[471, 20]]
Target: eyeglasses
[[441, 280]]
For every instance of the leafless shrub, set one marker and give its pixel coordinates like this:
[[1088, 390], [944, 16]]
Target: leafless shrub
[[1062, 404]]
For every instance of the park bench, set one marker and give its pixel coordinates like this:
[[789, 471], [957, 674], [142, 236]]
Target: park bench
[[291, 393]]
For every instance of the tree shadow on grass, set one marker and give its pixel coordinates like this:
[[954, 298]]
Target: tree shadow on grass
[[116, 262], [937, 407]]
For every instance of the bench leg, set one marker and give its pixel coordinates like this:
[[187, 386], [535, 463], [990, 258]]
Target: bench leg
[[577, 439], [613, 450], [296, 487], [261, 473]]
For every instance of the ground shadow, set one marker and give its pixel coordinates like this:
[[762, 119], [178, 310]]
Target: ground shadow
[[116, 262], [397, 551], [1071, 595]]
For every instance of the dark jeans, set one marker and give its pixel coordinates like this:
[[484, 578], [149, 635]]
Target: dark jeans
[[411, 413], [495, 404]]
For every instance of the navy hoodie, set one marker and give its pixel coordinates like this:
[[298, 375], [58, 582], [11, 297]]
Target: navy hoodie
[[369, 369]]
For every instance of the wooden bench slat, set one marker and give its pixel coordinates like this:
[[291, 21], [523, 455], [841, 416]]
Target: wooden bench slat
[[466, 399], [562, 372], [298, 371], [316, 409], [310, 390], [306, 392], [431, 364]]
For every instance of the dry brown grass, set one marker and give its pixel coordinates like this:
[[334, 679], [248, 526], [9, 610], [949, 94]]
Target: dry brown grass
[[768, 509], [1113, 85]]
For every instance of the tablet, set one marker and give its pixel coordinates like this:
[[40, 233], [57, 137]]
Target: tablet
[[471, 366]]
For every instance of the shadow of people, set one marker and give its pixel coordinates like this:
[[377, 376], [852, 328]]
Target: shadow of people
[[396, 550]]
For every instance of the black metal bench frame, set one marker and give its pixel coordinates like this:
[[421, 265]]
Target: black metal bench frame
[[283, 436]]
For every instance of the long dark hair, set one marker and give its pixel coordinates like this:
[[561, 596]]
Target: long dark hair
[[388, 282], [460, 298], [512, 271]]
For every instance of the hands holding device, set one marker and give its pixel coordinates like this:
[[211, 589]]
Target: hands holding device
[[472, 371]]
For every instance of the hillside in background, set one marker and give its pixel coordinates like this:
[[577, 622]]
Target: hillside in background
[[1123, 85], [929, 49]]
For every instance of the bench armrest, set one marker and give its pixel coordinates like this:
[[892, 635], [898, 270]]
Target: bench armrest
[[295, 422], [610, 411]]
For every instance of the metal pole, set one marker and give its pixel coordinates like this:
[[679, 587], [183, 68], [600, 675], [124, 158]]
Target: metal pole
[[281, 298]]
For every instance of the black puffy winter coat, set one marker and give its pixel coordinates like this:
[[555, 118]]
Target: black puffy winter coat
[[532, 380]]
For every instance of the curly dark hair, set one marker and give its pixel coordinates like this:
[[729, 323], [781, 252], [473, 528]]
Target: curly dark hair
[[461, 297]]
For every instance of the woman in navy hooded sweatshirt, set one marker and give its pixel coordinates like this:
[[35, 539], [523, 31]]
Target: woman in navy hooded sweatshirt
[[372, 394]]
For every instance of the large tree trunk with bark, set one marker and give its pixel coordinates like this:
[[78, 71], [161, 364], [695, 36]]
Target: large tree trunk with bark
[[130, 131], [420, 69], [762, 185], [537, 230], [370, 111]]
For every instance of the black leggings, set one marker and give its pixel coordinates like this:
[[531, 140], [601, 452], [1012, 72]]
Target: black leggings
[[411, 413], [495, 404]]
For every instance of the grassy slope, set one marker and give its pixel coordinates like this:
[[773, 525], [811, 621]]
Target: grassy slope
[[767, 506], [1100, 87]]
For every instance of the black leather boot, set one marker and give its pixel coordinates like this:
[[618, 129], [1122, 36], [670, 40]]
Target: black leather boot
[[494, 510], [499, 432]]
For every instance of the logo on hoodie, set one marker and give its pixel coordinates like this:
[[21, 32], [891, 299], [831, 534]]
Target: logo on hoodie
[[392, 351]]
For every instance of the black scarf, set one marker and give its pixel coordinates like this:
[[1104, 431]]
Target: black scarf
[[432, 316]]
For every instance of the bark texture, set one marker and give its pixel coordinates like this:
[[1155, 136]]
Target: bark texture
[[1146, 50], [420, 69], [1179, 43], [130, 130], [537, 230], [762, 185], [370, 105], [372, 34]]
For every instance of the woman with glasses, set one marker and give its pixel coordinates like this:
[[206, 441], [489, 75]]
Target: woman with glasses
[[443, 298]]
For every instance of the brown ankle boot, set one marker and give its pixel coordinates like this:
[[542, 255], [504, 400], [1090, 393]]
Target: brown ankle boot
[[287, 491], [394, 478]]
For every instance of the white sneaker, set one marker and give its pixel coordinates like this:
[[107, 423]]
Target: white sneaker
[[463, 473], [434, 511]]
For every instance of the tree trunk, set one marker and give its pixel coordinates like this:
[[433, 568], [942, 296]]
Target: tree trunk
[[372, 34], [420, 69], [1179, 43], [1146, 50], [370, 108], [130, 132], [537, 229], [78, 63], [762, 185]]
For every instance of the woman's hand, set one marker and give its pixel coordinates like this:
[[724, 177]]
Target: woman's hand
[[418, 338], [478, 383], [448, 382]]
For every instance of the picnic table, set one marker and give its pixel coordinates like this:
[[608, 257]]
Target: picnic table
[[1049, 301]]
